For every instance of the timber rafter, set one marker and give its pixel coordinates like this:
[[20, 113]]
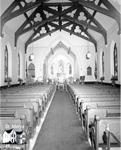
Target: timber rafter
[[110, 11], [15, 10], [45, 14]]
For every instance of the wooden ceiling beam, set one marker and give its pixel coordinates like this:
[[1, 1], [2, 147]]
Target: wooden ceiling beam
[[83, 37], [25, 14], [11, 12], [57, 3], [38, 38], [92, 19], [83, 23], [111, 11], [77, 34], [93, 6], [59, 19], [27, 22], [90, 39], [30, 40], [44, 18], [75, 16], [63, 26], [23, 30], [114, 13]]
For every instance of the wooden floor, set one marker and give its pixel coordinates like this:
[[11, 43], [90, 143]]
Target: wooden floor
[[61, 129]]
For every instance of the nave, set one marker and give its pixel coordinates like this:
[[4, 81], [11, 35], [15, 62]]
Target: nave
[[62, 129], [69, 50], [49, 117]]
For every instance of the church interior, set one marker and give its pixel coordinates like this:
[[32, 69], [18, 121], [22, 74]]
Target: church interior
[[60, 66]]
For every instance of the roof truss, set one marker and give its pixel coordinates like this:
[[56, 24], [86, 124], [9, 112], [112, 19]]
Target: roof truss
[[45, 13]]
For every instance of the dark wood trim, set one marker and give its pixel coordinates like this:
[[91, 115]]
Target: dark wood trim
[[23, 30], [30, 40], [111, 11], [10, 13]]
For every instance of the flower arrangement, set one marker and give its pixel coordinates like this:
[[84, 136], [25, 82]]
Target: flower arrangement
[[114, 79], [82, 79], [20, 81], [8, 80], [102, 78]]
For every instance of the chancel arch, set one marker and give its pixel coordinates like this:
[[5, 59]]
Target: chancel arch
[[60, 61]]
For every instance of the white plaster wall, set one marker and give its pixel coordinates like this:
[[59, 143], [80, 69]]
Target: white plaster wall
[[8, 39], [64, 56], [42, 47], [112, 36], [78, 46]]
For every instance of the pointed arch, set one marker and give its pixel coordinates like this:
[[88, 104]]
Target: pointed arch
[[115, 56], [103, 63], [6, 62], [89, 71], [19, 65], [31, 70], [113, 60]]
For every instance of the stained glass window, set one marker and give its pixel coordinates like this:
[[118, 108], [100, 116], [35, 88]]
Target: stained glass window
[[103, 64], [95, 73], [70, 69], [18, 65], [6, 62], [31, 70], [89, 71], [52, 70], [115, 62]]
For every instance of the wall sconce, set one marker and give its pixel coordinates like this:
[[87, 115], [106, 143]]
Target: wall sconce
[[31, 57], [88, 55]]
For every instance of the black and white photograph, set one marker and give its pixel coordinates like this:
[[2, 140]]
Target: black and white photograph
[[60, 75]]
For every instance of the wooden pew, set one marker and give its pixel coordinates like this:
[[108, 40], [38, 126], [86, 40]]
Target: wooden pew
[[28, 103], [39, 96], [96, 102], [101, 111], [18, 124], [25, 104], [111, 127], [21, 112]]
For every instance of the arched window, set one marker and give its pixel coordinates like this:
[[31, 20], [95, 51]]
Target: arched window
[[70, 69], [103, 63], [115, 61], [31, 70], [89, 71], [18, 65], [95, 73], [26, 70], [52, 70], [6, 62]]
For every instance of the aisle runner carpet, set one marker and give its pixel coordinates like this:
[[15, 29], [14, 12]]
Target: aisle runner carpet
[[61, 129]]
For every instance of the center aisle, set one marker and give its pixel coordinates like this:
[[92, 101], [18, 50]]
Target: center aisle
[[61, 129]]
